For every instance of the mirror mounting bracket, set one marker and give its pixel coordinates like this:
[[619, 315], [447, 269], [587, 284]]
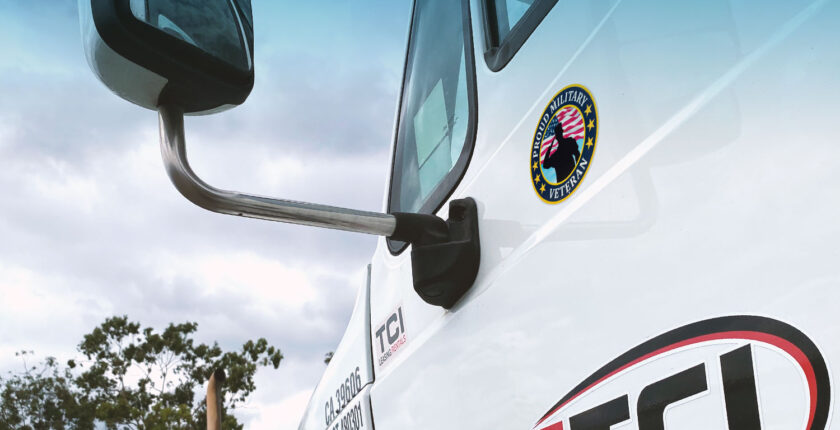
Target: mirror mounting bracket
[[444, 269], [445, 254]]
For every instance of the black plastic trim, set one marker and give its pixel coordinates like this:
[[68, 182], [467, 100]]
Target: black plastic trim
[[447, 186], [499, 52], [197, 81], [419, 229], [444, 270]]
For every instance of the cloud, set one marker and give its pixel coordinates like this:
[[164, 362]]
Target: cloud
[[91, 226], [283, 414]]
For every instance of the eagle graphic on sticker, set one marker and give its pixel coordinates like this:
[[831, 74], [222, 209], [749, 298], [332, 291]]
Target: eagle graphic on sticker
[[563, 144]]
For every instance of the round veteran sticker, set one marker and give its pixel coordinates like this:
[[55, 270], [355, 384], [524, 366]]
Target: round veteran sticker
[[563, 143]]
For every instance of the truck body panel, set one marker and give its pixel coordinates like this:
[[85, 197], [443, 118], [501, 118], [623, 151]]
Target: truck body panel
[[711, 199]]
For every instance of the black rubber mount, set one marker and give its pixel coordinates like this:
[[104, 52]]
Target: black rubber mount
[[445, 255]]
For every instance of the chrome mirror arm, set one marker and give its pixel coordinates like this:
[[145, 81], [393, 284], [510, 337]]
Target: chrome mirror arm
[[173, 150], [445, 256]]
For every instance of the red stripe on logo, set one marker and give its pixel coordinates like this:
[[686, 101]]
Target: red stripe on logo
[[555, 426], [777, 341]]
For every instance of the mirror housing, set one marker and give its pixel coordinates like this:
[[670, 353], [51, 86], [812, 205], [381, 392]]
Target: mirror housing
[[195, 54]]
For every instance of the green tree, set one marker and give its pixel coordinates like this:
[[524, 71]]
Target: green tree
[[41, 397], [132, 378]]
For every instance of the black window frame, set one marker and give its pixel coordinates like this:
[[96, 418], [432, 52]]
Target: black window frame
[[498, 53], [447, 186]]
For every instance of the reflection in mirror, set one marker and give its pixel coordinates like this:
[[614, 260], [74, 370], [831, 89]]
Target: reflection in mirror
[[211, 25]]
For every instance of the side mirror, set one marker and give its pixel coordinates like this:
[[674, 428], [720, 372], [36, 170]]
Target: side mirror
[[196, 54], [196, 57]]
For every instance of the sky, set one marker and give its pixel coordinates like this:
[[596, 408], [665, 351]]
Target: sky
[[90, 226]]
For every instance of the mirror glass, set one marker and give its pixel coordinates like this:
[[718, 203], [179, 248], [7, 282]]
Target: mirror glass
[[217, 27]]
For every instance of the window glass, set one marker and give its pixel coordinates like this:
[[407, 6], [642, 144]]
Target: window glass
[[435, 111], [206, 24], [508, 13], [509, 24]]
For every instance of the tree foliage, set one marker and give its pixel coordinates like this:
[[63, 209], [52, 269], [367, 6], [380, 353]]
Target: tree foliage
[[131, 378], [41, 397]]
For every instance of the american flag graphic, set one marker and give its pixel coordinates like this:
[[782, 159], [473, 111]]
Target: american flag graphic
[[573, 127]]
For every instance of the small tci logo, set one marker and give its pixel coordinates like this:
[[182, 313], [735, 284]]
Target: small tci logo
[[738, 372], [563, 144], [391, 331]]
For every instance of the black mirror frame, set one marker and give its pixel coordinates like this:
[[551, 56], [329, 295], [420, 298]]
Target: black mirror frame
[[498, 53], [197, 81]]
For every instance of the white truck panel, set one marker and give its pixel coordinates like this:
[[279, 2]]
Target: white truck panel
[[711, 200]]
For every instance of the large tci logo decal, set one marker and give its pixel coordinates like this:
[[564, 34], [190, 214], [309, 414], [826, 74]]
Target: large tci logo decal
[[738, 372]]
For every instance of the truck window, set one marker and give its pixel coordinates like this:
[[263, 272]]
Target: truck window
[[435, 132], [508, 23], [507, 13]]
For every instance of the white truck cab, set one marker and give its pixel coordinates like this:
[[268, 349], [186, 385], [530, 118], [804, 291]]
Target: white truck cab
[[605, 214]]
